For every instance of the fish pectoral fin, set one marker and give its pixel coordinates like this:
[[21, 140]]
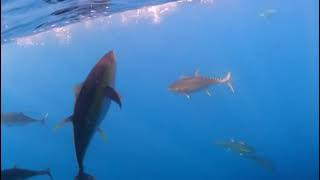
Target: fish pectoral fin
[[63, 122], [102, 134], [113, 95]]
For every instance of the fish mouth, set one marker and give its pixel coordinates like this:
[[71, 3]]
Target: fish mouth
[[112, 55], [108, 59]]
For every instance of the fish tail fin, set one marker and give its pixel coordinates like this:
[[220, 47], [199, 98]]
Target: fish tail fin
[[227, 81], [82, 175], [265, 163], [43, 120], [48, 172]]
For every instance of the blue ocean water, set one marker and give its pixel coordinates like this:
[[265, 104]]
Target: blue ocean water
[[161, 135]]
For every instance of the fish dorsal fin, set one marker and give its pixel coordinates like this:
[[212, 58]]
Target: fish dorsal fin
[[76, 90], [196, 73], [113, 95]]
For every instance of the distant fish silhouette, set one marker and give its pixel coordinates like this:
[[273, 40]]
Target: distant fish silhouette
[[19, 119], [245, 151], [187, 85], [239, 147], [92, 104], [21, 174], [268, 13]]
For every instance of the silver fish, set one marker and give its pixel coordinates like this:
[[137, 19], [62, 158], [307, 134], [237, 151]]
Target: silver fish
[[191, 84], [19, 119]]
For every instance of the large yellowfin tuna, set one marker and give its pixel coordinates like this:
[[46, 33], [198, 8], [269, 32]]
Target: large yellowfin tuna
[[92, 104]]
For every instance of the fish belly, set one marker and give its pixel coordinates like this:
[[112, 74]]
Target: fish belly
[[104, 109], [196, 88]]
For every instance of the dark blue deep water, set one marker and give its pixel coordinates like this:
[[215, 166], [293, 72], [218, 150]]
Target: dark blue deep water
[[159, 135]]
